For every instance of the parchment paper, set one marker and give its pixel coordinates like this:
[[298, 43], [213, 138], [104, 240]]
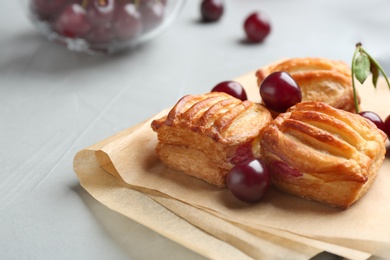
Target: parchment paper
[[124, 173]]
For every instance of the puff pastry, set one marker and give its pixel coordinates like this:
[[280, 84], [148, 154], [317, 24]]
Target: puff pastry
[[318, 152], [205, 135], [320, 80]]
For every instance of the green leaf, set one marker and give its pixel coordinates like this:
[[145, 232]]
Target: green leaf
[[362, 67], [375, 72]]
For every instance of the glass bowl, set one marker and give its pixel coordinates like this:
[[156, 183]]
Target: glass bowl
[[102, 26]]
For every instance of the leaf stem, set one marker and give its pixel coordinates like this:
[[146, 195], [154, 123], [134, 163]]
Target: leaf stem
[[355, 98], [358, 67], [378, 66]]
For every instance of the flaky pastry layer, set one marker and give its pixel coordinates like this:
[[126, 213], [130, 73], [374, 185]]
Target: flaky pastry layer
[[205, 135], [321, 80], [318, 152]]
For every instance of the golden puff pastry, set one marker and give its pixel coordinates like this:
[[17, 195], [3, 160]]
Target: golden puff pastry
[[318, 152], [205, 135], [320, 80]]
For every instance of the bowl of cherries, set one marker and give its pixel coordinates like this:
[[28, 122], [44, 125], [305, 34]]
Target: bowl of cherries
[[102, 26]]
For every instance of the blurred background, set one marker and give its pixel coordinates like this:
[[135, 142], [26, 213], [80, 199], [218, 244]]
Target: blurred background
[[54, 102]]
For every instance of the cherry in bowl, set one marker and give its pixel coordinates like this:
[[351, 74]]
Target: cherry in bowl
[[102, 26], [249, 180]]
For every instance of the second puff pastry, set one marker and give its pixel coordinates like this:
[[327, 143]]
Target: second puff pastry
[[322, 153], [320, 80], [206, 135]]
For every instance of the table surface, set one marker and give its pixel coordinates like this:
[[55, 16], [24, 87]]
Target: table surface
[[54, 103]]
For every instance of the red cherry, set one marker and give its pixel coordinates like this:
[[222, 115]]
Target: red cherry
[[249, 180], [127, 22], [72, 22], [279, 91], [211, 10], [100, 34], [387, 126], [100, 12], [232, 88], [257, 27], [373, 117], [48, 9], [152, 14]]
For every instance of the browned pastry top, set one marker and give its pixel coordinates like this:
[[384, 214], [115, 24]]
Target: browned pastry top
[[328, 143], [218, 115], [321, 80], [297, 65]]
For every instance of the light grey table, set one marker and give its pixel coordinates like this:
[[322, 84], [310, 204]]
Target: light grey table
[[54, 103]]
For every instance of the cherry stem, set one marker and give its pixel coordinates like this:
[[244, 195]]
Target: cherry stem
[[355, 98], [84, 4]]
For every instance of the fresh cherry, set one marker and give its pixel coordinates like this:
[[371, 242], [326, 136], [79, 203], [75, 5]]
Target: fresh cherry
[[279, 91], [387, 126], [211, 10], [100, 21], [72, 22], [48, 9], [232, 88], [257, 27], [152, 14], [249, 180], [100, 34], [127, 23], [373, 117], [100, 12]]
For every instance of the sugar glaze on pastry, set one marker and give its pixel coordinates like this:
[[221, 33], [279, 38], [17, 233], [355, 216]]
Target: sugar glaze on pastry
[[318, 152], [320, 80], [205, 135]]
